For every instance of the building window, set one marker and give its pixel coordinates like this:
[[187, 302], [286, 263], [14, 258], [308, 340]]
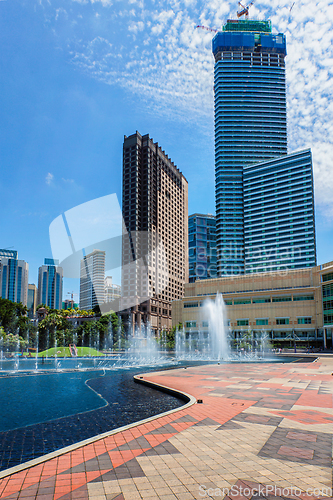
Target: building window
[[281, 299], [327, 277], [205, 324], [328, 319], [261, 321], [190, 304], [282, 321], [191, 324], [242, 322], [242, 301], [304, 321], [261, 300], [303, 297], [328, 290]]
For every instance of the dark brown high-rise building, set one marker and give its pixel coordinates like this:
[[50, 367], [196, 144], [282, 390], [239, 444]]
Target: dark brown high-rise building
[[155, 239]]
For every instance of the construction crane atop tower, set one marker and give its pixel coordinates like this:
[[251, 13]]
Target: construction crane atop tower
[[207, 28], [244, 11]]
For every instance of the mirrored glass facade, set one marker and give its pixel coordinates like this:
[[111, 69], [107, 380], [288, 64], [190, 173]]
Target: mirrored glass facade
[[250, 123], [279, 222], [202, 246]]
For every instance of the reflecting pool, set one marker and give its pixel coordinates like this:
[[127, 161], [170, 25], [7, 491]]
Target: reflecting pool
[[41, 413]]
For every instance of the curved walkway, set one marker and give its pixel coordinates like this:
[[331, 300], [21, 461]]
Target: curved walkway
[[261, 431]]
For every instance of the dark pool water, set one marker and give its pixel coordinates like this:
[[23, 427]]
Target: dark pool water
[[43, 413], [45, 397]]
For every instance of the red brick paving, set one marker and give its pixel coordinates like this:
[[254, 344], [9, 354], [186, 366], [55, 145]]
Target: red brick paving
[[220, 388]]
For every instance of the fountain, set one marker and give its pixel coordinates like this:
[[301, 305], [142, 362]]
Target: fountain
[[36, 360], [215, 311], [140, 347], [216, 344], [143, 347]]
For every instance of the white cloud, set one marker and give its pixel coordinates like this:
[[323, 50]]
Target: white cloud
[[49, 179], [135, 27], [152, 48], [60, 12]]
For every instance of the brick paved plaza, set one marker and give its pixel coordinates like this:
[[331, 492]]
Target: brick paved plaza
[[261, 431]]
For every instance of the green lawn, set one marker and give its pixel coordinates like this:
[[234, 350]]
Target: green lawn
[[62, 352]]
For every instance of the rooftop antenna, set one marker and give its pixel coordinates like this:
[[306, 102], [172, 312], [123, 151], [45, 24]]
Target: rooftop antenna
[[245, 10]]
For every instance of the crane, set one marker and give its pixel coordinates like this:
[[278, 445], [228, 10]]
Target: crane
[[207, 28], [72, 298], [245, 10]]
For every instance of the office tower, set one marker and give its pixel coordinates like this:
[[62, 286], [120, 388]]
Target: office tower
[[279, 222], [155, 242], [13, 277], [250, 123], [50, 278], [32, 300], [202, 246], [111, 290], [92, 274]]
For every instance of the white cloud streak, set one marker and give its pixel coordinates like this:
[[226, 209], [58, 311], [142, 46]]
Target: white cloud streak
[[49, 179], [155, 51]]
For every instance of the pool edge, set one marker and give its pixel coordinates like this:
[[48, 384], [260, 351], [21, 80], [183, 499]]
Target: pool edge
[[191, 400]]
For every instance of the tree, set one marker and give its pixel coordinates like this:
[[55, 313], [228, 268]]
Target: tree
[[170, 336], [96, 333], [13, 317], [10, 342], [54, 329]]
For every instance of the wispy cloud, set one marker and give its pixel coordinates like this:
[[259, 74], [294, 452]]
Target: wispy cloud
[[49, 179], [152, 49], [60, 12]]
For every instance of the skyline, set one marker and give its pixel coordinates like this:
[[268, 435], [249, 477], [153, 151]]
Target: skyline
[[72, 74]]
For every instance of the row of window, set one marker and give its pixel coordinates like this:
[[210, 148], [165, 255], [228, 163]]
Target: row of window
[[259, 322], [255, 300]]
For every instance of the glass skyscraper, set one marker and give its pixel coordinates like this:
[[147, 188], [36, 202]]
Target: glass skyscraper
[[13, 277], [279, 221], [50, 278], [250, 123], [202, 246]]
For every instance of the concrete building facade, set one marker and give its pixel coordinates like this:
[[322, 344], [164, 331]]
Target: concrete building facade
[[291, 306], [111, 290], [155, 240]]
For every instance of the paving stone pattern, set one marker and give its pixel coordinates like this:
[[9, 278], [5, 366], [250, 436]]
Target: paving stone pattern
[[261, 432]]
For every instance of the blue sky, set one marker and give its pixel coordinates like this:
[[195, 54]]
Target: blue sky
[[78, 75]]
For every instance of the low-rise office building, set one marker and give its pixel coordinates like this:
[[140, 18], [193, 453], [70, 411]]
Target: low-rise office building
[[290, 306]]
